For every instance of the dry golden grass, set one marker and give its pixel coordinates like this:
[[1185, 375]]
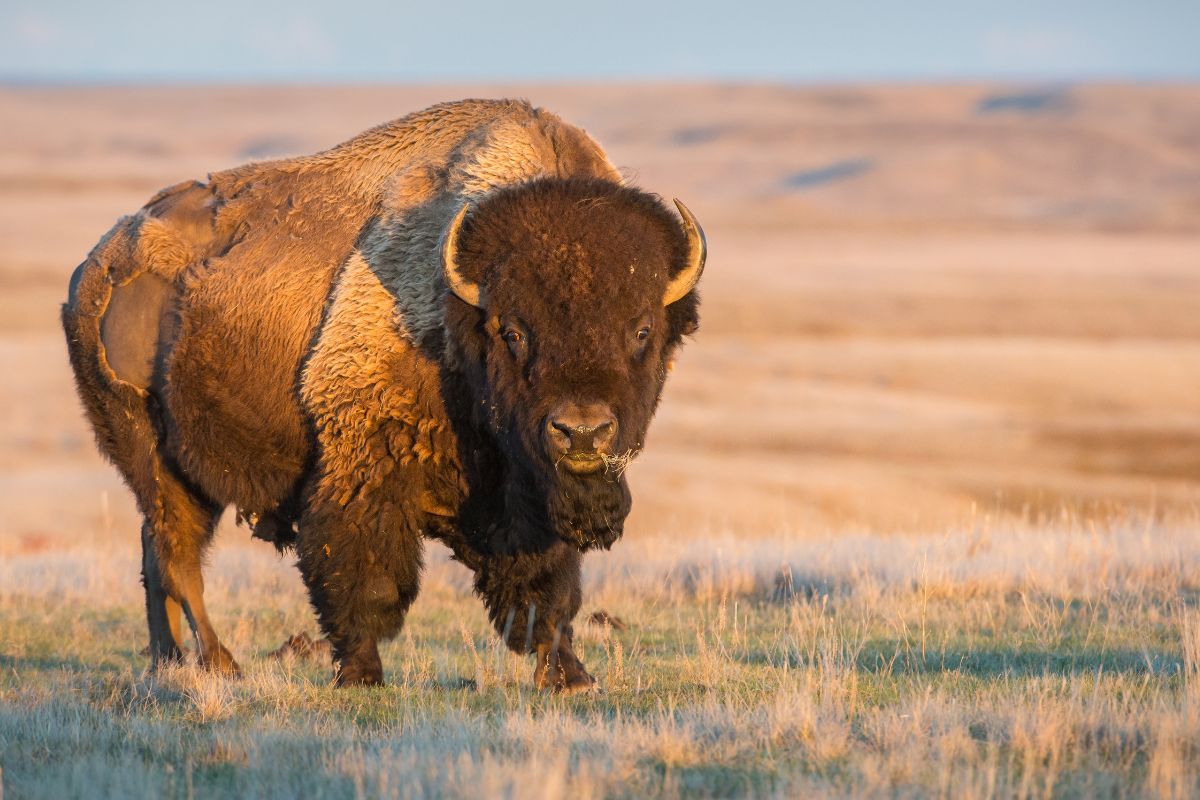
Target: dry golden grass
[[1029, 661]]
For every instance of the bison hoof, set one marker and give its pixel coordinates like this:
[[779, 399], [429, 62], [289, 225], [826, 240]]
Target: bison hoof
[[577, 684], [358, 665], [351, 676], [220, 661], [168, 655], [564, 677]]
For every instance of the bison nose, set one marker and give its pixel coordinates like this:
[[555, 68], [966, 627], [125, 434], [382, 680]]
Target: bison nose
[[583, 438], [583, 429]]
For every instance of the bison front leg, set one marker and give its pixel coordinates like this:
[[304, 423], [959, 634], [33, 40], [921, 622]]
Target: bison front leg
[[362, 566], [531, 599]]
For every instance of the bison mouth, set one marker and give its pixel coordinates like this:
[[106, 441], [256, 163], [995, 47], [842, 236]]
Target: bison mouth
[[592, 461], [577, 436], [582, 463]]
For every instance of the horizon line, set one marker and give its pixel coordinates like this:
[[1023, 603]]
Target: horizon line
[[15, 81]]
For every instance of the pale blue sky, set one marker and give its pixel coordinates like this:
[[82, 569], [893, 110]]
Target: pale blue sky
[[337, 40]]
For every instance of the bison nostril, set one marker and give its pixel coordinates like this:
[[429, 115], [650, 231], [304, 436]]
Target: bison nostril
[[602, 434], [581, 433], [563, 432]]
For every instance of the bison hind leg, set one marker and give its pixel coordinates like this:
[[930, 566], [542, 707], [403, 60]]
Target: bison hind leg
[[163, 612], [174, 540], [113, 331]]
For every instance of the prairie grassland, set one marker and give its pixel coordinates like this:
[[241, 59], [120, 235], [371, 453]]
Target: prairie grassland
[[1056, 659], [992, 308]]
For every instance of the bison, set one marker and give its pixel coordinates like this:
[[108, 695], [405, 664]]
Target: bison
[[453, 326]]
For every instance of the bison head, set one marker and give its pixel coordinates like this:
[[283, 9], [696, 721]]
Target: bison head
[[569, 298]]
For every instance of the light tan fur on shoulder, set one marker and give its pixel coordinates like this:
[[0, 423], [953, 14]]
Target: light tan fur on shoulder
[[387, 303], [402, 248]]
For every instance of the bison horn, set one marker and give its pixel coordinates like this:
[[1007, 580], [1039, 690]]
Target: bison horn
[[685, 281], [465, 290]]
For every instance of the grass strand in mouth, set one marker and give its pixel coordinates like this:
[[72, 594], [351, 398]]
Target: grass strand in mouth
[[618, 463]]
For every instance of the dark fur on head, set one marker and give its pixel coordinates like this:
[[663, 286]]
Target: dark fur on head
[[576, 267]]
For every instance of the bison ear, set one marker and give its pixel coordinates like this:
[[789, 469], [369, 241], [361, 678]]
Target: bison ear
[[685, 281], [465, 290]]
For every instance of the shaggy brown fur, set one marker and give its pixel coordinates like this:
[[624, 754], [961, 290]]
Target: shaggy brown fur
[[280, 339]]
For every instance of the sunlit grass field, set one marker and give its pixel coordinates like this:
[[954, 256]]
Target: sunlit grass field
[[1057, 658]]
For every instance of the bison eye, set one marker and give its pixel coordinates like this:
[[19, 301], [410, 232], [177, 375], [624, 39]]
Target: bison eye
[[643, 333], [515, 339]]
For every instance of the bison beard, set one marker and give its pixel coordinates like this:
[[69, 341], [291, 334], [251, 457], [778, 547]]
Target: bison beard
[[585, 511], [591, 509], [344, 373]]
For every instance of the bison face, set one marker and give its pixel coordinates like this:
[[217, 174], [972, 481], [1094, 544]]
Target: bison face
[[569, 298]]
